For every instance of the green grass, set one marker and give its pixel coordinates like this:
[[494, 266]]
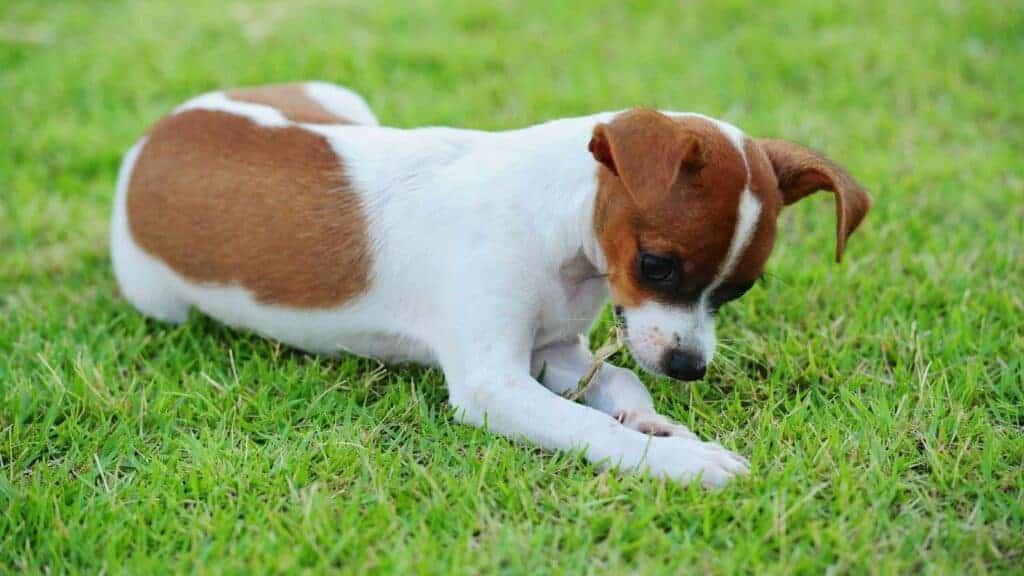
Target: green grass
[[879, 401]]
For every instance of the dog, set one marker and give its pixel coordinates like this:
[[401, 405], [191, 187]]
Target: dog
[[289, 211]]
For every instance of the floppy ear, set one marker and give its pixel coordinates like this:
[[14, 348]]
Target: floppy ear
[[647, 151], [801, 171]]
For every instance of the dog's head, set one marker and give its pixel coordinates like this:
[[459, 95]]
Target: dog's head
[[685, 216]]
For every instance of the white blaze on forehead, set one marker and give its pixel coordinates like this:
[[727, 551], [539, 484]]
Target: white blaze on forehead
[[746, 224], [734, 134], [654, 327], [748, 213], [749, 208]]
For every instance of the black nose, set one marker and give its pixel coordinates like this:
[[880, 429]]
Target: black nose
[[683, 365]]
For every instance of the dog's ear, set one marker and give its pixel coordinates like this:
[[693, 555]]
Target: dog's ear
[[801, 171], [647, 151]]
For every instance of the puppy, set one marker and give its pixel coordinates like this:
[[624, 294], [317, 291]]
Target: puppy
[[287, 210]]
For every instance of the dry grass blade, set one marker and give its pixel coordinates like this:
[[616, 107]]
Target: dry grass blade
[[603, 353]]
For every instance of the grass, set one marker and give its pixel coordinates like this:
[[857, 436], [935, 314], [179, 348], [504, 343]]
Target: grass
[[880, 401]]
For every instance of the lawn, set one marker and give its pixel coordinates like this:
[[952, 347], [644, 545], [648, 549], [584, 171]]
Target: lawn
[[880, 401]]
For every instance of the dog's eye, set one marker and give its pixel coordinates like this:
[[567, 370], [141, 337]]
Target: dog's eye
[[658, 269]]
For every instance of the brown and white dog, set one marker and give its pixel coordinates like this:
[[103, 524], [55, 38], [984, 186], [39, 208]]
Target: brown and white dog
[[288, 211]]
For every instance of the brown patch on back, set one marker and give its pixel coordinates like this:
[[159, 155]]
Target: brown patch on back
[[291, 100], [693, 218], [220, 199]]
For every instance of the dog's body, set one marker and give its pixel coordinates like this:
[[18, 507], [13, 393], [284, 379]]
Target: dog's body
[[287, 210]]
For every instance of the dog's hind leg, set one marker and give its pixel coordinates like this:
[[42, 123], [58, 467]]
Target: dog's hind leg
[[143, 279]]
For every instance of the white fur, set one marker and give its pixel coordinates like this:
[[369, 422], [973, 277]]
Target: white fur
[[258, 113], [341, 101], [654, 327], [138, 274], [485, 262], [746, 225]]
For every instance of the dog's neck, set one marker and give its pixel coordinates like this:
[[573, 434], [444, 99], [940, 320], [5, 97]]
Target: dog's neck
[[543, 176], [548, 171]]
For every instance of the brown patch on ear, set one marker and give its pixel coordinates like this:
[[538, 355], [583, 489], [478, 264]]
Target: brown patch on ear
[[647, 150], [601, 150], [801, 171], [291, 100], [222, 200]]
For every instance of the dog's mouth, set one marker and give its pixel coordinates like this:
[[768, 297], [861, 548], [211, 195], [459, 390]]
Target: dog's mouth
[[619, 317], [640, 361]]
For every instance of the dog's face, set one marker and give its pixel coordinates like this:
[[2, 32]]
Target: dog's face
[[685, 215]]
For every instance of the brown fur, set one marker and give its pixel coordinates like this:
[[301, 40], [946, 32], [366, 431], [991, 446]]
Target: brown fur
[[290, 100], [223, 200], [672, 185], [802, 171], [689, 209], [764, 187]]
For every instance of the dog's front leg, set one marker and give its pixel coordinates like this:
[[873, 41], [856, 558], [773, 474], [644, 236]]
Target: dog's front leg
[[490, 385], [615, 391]]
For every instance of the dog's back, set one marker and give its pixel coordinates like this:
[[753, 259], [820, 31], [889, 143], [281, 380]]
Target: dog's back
[[203, 172], [309, 102]]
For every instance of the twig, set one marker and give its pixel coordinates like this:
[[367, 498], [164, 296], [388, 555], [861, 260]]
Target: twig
[[602, 354]]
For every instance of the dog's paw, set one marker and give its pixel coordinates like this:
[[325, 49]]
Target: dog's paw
[[653, 424], [685, 460]]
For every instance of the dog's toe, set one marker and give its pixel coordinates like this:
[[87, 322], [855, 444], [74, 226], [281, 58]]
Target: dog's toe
[[653, 424]]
